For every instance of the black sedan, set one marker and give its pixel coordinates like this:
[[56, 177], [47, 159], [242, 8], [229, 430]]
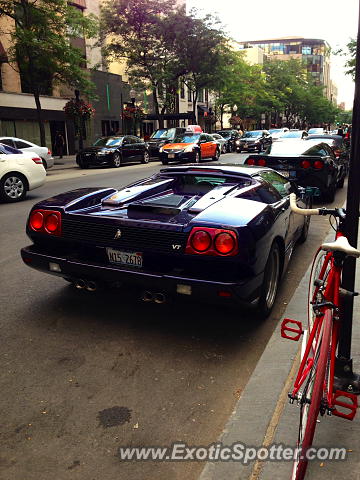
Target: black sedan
[[254, 140], [114, 151], [220, 233], [231, 136], [160, 137], [308, 163]]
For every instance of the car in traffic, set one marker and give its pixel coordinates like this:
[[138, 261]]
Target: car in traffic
[[308, 163], [19, 173], [231, 136], [190, 147], [114, 151], [221, 141], [316, 131], [254, 140], [341, 151], [277, 133], [160, 137], [217, 233], [25, 146], [294, 135]]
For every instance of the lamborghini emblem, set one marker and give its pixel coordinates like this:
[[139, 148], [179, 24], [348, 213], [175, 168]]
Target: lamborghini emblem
[[117, 234]]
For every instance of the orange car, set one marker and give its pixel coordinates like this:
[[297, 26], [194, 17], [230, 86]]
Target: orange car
[[190, 147]]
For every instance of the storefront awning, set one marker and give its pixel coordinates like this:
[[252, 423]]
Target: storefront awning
[[170, 116]]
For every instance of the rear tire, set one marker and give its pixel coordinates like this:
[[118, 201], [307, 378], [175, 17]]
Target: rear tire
[[83, 165], [217, 155], [270, 283], [164, 162], [223, 149], [311, 399], [146, 157], [44, 163]]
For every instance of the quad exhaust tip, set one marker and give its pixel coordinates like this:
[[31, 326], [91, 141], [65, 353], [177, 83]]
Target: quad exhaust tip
[[82, 284], [148, 296]]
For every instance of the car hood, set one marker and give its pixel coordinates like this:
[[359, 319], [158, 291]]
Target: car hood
[[177, 145]]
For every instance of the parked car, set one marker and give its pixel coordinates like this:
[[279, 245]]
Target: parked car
[[316, 131], [341, 150], [277, 133], [25, 146], [114, 151], [19, 172], [190, 147], [231, 136], [221, 141], [309, 164], [254, 140], [219, 233], [294, 134], [160, 137]]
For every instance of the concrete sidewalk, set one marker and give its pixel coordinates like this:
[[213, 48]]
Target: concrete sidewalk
[[67, 161], [263, 415]]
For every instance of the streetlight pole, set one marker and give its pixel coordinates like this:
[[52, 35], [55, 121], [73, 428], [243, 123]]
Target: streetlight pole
[[133, 98]]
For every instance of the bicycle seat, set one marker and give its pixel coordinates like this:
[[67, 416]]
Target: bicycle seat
[[341, 244]]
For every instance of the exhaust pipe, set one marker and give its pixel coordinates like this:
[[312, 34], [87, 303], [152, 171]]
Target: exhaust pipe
[[147, 296], [159, 298], [80, 284], [91, 286]]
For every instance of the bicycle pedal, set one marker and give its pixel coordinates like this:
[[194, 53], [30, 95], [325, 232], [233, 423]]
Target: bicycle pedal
[[291, 329], [350, 406]]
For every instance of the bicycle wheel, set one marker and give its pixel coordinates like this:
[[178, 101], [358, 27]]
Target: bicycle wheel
[[311, 399], [318, 278]]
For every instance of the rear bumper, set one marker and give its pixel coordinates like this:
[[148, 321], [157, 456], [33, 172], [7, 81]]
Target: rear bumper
[[245, 292], [178, 157]]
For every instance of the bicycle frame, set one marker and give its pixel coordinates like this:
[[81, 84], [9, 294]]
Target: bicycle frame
[[331, 296]]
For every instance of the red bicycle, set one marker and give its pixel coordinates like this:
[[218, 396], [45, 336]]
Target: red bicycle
[[314, 390]]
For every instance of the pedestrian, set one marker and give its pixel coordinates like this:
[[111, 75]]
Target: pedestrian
[[59, 144]]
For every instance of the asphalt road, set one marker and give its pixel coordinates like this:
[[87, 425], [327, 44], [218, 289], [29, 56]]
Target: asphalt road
[[82, 374]]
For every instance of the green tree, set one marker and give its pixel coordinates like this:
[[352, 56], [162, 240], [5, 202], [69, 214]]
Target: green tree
[[41, 46], [140, 33], [350, 52]]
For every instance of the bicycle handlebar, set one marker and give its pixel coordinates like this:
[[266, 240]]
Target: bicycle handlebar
[[302, 211]]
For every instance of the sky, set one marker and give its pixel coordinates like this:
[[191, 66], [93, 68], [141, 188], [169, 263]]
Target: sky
[[331, 20]]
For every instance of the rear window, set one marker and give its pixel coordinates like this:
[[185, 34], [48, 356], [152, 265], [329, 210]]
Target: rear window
[[9, 150], [288, 148]]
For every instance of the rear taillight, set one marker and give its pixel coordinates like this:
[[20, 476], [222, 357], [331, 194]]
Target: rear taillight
[[318, 164], [224, 243], [305, 164], [212, 241], [45, 221], [37, 160], [201, 241], [256, 161], [49, 152]]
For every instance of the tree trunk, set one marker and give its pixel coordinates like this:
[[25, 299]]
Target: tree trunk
[[221, 116], [39, 118], [157, 109]]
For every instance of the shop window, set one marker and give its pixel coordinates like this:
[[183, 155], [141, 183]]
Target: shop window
[[189, 95], [182, 90]]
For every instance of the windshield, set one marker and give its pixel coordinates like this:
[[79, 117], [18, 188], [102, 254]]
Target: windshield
[[275, 130], [225, 134], [164, 133], [253, 134], [316, 130], [297, 147], [108, 141], [187, 138], [298, 134]]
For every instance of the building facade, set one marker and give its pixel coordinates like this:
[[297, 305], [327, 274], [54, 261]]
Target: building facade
[[18, 116], [314, 52]]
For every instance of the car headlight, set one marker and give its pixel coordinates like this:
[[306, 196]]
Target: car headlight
[[161, 149], [237, 142], [103, 152], [188, 149]]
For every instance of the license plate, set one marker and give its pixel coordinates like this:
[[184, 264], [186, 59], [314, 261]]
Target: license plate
[[244, 147], [171, 155], [133, 259]]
